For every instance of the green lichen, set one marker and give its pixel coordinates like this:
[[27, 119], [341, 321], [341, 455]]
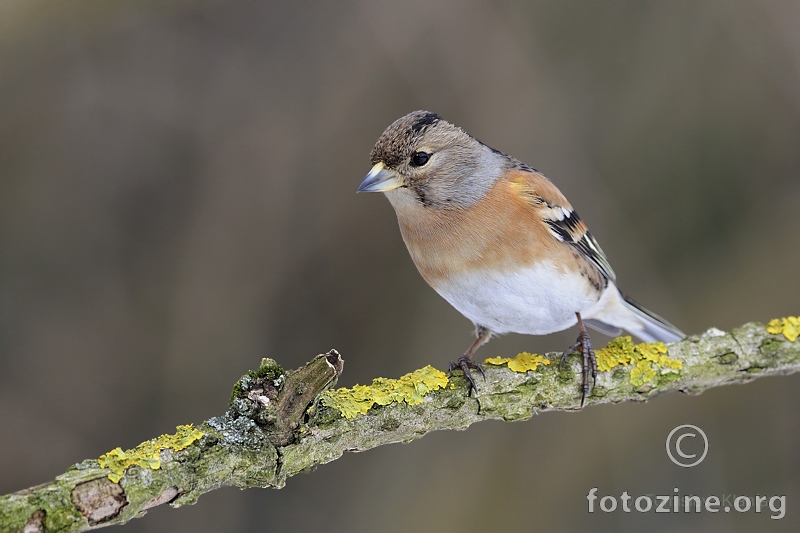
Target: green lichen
[[769, 345], [410, 389], [788, 326], [647, 358], [727, 358], [269, 370], [237, 392], [523, 362], [148, 453]]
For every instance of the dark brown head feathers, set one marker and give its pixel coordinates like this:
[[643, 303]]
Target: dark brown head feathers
[[395, 144]]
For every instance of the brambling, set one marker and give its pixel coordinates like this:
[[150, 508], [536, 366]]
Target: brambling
[[499, 241]]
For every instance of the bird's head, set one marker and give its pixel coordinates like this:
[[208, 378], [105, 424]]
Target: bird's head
[[424, 159]]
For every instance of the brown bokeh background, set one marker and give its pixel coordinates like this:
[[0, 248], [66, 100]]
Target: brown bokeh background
[[177, 201]]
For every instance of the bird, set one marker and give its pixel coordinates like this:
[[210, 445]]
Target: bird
[[500, 242]]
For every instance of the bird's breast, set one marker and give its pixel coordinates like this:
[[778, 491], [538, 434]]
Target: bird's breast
[[498, 233]]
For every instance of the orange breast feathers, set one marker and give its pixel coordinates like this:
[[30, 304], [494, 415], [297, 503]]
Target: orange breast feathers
[[503, 231]]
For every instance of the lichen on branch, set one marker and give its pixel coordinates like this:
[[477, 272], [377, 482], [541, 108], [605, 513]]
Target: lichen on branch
[[283, 422], [410, 389], [148, 453]]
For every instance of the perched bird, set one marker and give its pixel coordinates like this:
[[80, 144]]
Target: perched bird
[[499, 241]]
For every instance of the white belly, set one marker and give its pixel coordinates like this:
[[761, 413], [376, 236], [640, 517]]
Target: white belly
[[535, 301]]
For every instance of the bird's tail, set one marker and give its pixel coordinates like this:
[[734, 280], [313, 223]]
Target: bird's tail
[[654, 328], [621, 312]]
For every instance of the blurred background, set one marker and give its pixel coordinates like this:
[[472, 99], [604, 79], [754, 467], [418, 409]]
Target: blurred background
[[177, 201]]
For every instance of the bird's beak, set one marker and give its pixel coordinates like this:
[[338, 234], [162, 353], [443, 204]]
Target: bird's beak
[[380, 179]]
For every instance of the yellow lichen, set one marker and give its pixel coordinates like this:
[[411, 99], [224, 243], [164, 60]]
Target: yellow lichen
[[410, 388], [789, 326], [642, 373], [619, 352], [521, 363], [147, 454], [648, 358]]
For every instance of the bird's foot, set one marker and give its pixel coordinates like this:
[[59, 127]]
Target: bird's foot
[[465, 364], [584, 347]]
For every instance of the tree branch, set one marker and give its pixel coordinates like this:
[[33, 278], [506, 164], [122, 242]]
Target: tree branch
[[276, 425]]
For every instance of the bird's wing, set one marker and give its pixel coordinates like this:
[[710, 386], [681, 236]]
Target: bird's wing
[[562, 221]]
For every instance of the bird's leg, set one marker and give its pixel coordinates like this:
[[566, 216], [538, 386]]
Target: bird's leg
[[465, 362], [585, 345]]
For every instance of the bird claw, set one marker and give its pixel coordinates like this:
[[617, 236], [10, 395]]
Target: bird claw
[[464, 364], [584, 347]]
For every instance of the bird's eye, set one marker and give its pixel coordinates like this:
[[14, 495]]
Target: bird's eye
[[419, 158]]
